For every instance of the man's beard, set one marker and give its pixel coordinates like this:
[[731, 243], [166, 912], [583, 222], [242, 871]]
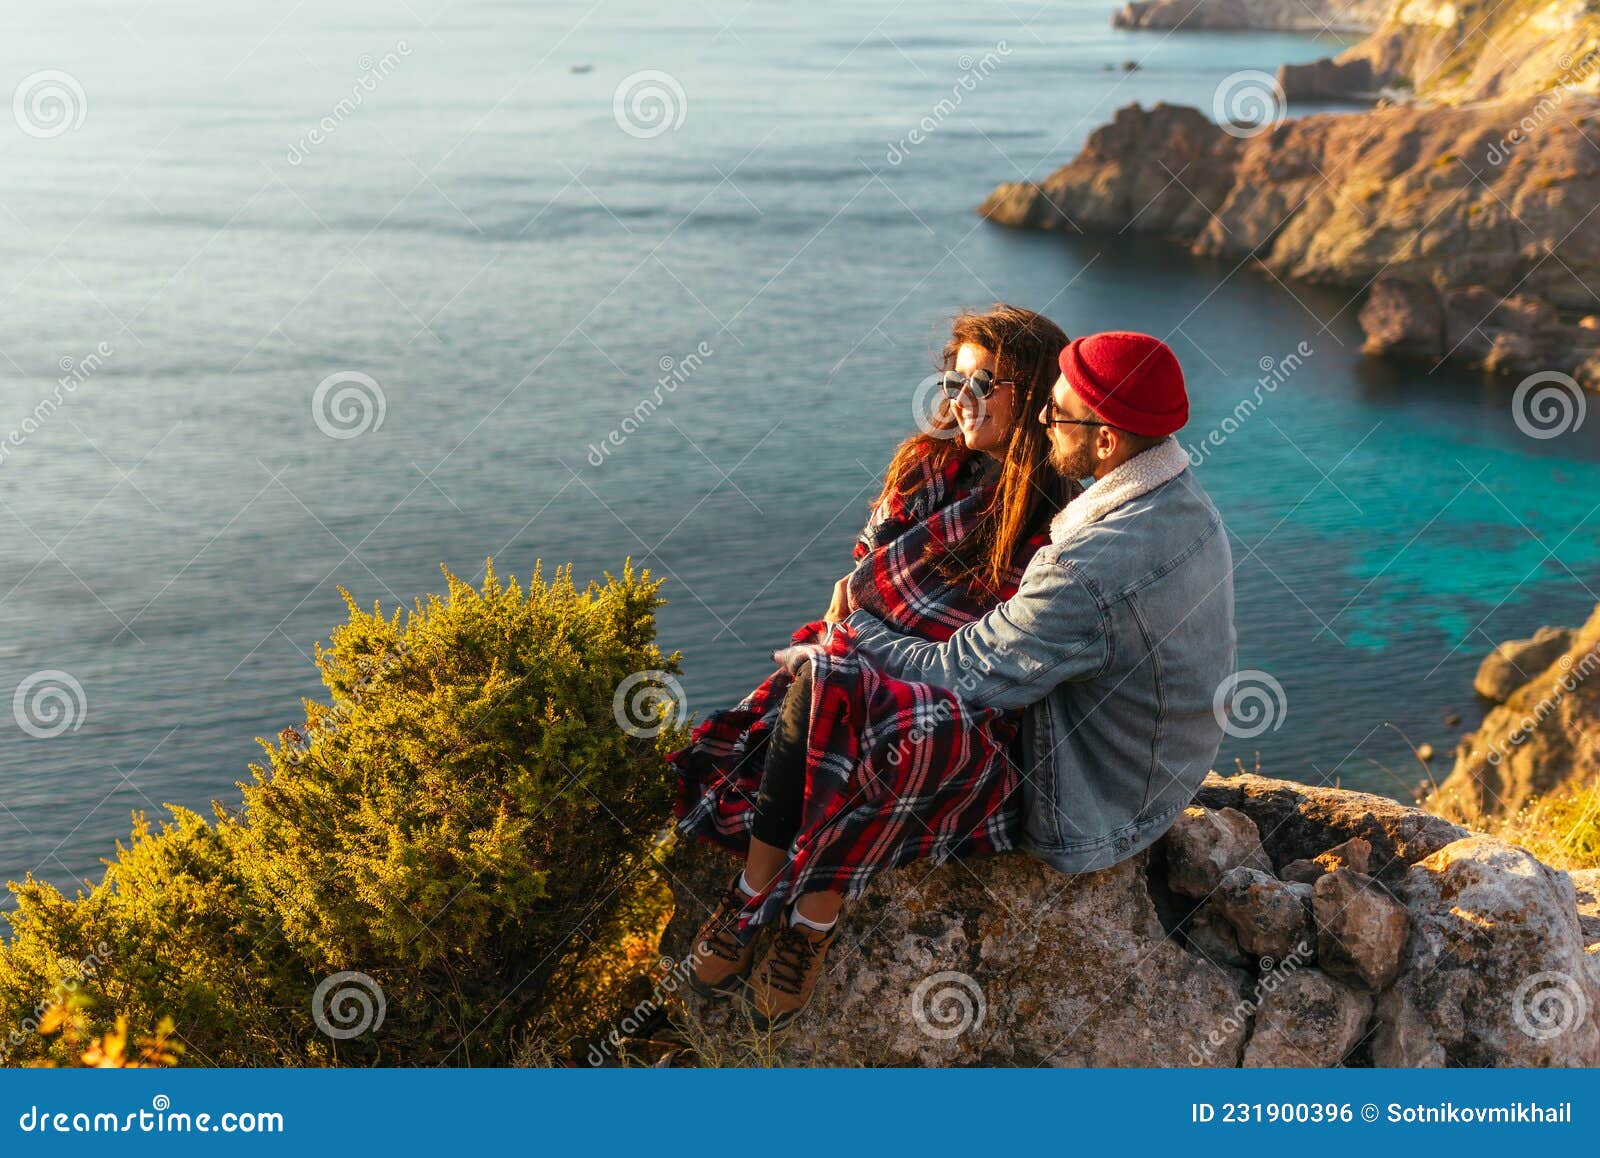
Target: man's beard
[[1077, 463]]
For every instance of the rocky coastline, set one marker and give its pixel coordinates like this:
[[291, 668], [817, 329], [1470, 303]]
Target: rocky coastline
[[1456, 209]]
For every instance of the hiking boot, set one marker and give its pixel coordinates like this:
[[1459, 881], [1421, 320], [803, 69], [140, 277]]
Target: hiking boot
[[787, 976], [721, 960]]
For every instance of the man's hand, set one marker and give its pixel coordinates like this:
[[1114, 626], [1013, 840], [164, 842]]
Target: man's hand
[[840, 607]]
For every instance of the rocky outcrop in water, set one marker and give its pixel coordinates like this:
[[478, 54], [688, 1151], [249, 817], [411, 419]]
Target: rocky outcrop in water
[[1287, 15], [1328, 80], [1545, 732], [1448, 949], [1400, 193], [1465, 209], [1515, 334]]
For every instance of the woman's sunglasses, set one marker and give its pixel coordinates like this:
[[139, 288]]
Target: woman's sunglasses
[[982, 383]]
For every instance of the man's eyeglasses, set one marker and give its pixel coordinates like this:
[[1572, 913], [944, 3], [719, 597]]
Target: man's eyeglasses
[[1051, 418], [982, 383]]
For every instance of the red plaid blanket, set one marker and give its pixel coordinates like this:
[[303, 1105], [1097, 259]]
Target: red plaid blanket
[[895, 771]]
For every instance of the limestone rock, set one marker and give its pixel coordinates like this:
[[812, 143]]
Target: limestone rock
[[995, 961], [1518, 661], [1304, 871], [1206, 843], [1299, 820], [1543, 736], [1355, 853], [1307, 1019], [1361, 930], [1403, 318], [1271, 918], [1396, 198], [1328, 80], [1005, 961], [1494, 972], [1212, 936]]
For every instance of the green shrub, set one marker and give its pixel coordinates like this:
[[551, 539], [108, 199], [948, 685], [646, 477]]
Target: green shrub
[[464, 822]]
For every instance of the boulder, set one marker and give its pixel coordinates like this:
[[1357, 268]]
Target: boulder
[[1210, 934], [1304, 871], [1328, 80], [1494, 972], [1402, 318], [1307, 1019], [1300, 821], [1204, 844], [1361, 929], [994, 961], [1354, 854], [1271, 919], [1517, 661]]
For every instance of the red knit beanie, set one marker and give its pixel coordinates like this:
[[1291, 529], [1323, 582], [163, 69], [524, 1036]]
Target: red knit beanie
[[1130, 380]]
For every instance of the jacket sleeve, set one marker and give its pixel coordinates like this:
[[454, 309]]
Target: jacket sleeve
[[1053, 630]]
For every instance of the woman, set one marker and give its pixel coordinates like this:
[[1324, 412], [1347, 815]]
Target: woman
[[831, 771]]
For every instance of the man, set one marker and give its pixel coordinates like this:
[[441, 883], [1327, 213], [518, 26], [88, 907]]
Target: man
[[1122, 629]]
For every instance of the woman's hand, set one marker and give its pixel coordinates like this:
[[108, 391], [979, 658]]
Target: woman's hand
[[840, 607]]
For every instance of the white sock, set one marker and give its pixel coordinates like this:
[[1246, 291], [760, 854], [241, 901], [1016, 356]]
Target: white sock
[[744, 886], [796, 917]]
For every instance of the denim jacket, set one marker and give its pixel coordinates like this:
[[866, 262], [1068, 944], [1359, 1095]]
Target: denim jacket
[[1117, 644]]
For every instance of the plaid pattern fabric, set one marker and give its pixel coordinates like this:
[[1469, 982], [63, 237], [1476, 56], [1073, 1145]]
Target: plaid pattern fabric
[[895, 771]]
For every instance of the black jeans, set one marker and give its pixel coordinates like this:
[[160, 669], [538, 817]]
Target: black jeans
[[783, 780]]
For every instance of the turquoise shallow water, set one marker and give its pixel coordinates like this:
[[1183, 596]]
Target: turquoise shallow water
[[479, 237]]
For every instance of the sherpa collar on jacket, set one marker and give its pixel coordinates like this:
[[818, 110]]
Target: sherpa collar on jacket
[[1140, 475]]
